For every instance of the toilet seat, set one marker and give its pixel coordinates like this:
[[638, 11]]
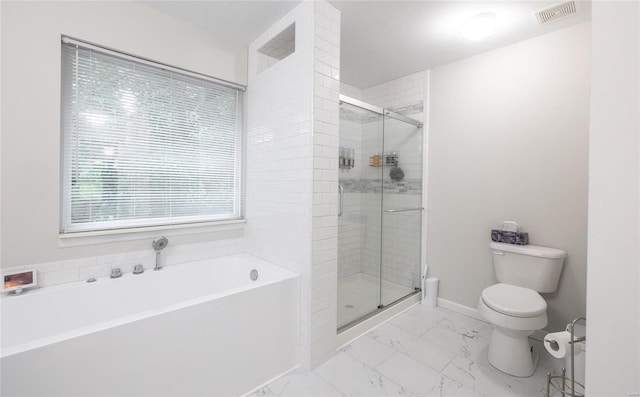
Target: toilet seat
[[514, 301]]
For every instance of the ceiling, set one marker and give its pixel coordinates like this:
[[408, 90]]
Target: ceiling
[[382, 40]]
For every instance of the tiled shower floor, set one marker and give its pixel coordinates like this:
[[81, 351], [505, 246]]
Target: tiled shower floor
[[359, 294], [422, 352]]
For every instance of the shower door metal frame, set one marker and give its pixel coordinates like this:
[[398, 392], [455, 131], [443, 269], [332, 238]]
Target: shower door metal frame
[[383, 112], [380, 111]]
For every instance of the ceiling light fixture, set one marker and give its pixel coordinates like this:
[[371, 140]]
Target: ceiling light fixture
[[479, 26]]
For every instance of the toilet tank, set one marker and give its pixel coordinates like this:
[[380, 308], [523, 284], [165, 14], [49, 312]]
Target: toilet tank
[[528, 266]]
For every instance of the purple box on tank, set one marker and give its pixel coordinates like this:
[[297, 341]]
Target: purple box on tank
[[497, 235], [503, 236]]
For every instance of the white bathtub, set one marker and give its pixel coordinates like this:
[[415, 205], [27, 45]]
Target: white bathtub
[[201, 328]]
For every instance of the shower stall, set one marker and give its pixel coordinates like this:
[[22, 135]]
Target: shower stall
[[380, 209]]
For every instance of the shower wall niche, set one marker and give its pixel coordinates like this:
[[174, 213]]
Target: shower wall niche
[[379, 227]]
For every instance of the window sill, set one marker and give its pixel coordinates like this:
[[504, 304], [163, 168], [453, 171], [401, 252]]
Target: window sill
[[143, 233]]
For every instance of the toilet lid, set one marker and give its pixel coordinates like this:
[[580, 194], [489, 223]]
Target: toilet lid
[[514, 301]]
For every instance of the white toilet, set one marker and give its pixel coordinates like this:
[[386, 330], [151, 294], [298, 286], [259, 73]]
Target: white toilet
[[514, 306]]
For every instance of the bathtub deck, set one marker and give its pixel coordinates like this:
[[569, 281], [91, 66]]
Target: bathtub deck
[[197, 329]]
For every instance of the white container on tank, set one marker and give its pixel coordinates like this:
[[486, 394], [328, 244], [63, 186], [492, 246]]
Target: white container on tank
[[431, 292]]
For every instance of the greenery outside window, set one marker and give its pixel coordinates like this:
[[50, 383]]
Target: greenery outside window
[[145, 144]]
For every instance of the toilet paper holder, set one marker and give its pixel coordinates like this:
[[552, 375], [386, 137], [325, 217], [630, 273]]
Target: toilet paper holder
[[554, 344], [578, 339], [562, 379]]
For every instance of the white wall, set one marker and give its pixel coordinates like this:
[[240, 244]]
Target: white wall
[[31, 107], [508, 140], [324, 261], [613, 331], [292, 157]]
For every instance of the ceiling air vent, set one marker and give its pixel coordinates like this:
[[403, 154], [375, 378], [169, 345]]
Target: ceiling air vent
[[558, 11]]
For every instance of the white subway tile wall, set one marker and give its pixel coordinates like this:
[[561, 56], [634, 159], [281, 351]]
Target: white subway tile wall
[[279, 149], [350, 234], [280, 159], [350, 230], [397, 93], [292, 154], [74, 270], [359, 235], [350, 91], [325, 182]]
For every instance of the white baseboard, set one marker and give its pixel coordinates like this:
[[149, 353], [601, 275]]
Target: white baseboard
[[474, 313], [460, 309]]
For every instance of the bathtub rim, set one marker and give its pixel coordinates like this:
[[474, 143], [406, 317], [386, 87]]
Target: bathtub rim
[[284, 275]]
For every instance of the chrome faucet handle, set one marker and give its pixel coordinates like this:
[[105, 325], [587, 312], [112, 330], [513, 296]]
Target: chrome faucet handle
[[116, 272], [138, 269]]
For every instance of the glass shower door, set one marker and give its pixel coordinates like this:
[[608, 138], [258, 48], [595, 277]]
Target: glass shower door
[[380, 210], [402, 210], [360, 214]]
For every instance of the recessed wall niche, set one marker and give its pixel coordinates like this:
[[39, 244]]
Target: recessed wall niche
[[278, 48]]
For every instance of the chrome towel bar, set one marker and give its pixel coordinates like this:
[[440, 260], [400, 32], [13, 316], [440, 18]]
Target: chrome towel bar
[[405, 209]]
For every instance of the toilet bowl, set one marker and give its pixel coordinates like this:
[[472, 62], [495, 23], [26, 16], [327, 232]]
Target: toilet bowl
[[514, 306], [515, 313]]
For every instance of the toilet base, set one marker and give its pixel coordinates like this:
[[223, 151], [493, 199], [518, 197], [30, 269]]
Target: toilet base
[[510, 352]]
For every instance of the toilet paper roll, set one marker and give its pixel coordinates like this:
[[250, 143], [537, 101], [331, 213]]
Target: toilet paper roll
[[557, 343]]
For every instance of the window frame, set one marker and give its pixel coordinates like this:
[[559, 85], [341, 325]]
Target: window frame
[[129, 227]]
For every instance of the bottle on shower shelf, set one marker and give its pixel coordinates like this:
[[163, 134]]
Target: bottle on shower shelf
[[375, 160]]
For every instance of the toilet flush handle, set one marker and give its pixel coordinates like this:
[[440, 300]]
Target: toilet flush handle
[[498, 253]]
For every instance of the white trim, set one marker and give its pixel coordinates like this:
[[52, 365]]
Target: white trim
[[474, 313], [460, 309], [143, 233]]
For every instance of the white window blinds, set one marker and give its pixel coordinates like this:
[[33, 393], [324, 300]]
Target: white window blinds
[[145, 144]]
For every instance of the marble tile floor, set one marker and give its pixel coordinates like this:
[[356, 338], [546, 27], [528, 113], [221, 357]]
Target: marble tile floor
[[421, 352]]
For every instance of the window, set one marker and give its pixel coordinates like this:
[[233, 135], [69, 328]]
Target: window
[[146, 144]]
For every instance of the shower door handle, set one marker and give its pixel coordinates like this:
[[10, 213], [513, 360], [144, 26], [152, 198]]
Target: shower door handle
[[405, 209], [340, 198]]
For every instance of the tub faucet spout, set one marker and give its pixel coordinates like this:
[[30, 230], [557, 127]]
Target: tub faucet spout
[[157, 267]]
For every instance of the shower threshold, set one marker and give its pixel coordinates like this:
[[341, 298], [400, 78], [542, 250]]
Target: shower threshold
[[379, 311], [357, 297]]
